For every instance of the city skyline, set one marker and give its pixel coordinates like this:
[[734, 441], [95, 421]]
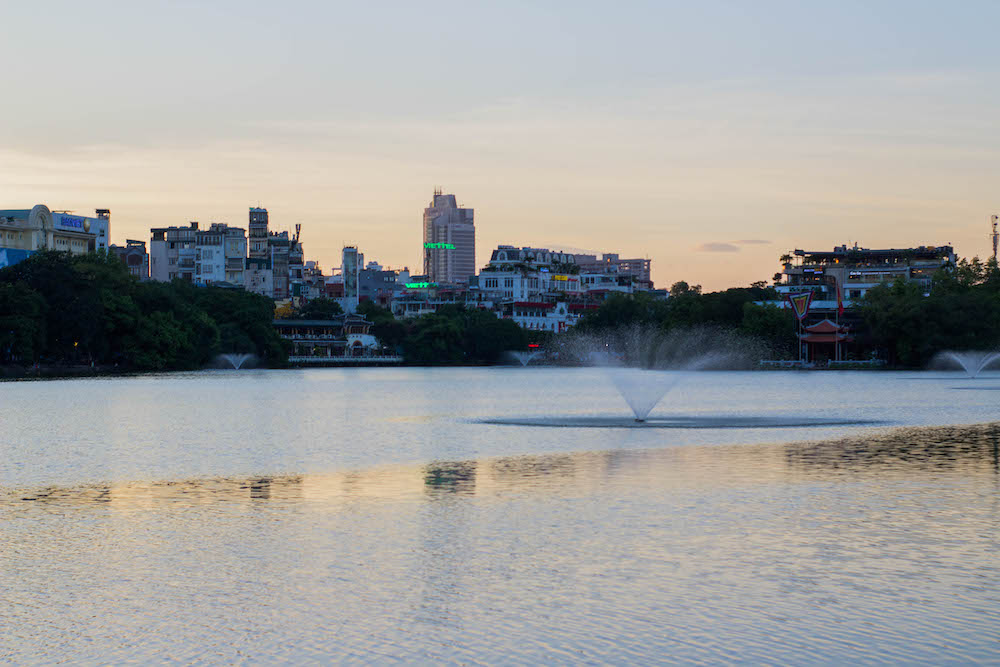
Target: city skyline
[[711, 133]]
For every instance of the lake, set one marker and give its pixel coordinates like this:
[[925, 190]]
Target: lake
[[471, 516]]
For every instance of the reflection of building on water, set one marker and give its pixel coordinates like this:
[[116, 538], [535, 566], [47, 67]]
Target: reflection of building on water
[[261, 489], [967, 448], [937, 447], [456, 477]]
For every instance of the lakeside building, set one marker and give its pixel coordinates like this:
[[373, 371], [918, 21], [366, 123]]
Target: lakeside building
[[449, 245], [855, 270], [133, 254], [826, 331], [344, 338], [24, 231]]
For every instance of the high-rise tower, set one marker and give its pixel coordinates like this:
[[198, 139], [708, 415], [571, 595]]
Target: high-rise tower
[[449, 240]]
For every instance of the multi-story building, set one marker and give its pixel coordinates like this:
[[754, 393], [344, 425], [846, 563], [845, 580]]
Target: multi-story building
[[449, 248], [204, 256], [236, 255], [258, 277], [855, 270], [350, 267], [23, 231], [543, 275], [279, 245], [210, 255], [133, 254], [258, 233], [639, 269], [173, 253]]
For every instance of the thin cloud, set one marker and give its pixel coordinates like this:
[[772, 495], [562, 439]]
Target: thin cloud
[[718, 247]]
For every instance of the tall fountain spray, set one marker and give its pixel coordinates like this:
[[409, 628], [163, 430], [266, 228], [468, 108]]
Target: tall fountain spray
[[645, 362]]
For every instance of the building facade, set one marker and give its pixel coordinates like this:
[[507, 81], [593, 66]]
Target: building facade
[[133, 254], [24, 231], [449, 247], [258, 233], [855, 270]]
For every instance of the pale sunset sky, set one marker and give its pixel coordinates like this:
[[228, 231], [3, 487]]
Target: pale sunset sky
[[709, 136]]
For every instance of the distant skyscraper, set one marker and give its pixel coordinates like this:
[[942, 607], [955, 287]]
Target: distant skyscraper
[[258, 233], [449, 241], [350, 266]]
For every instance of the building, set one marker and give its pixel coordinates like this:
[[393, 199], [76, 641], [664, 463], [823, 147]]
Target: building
[[346, 338], [855, 270], [236, 255], [258, 233], [611, 263], [350, 267], [258, 277], [133, 254], [24, 231], [449, 247], [173, 253], [279, 247]]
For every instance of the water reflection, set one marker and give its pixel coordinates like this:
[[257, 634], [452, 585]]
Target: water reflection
[[902, 451], [934, 448], [854, 550]]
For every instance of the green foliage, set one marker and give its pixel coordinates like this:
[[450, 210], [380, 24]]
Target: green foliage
[[962, 312], [686, 307], [62, 309], [319, 309], [456, 335]]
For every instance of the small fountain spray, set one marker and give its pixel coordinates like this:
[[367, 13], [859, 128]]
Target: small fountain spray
[[525, 357], [237, 360], [973, 362]]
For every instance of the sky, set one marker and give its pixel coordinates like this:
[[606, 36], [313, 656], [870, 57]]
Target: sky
[[711, 137]]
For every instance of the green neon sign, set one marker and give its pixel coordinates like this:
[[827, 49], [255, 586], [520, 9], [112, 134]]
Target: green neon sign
[[420, 285], [439, 246]]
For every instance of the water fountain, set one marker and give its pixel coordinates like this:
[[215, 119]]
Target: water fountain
[[525, 357], [973, 362], [236, 359], [645, 363]]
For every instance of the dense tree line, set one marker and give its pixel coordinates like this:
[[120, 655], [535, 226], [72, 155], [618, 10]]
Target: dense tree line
[[962, 312], [452, 335], [58, 309]]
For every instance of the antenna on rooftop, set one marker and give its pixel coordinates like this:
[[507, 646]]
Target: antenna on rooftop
[[995, 235]]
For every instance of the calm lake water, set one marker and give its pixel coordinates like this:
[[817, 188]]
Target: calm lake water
[[391, 515]]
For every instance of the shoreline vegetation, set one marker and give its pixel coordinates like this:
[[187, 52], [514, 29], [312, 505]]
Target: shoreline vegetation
[[67, 315]]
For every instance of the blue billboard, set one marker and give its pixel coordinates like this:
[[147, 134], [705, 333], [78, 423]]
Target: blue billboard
[[11, 256]]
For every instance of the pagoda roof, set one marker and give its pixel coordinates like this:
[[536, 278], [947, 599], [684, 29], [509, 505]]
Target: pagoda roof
[[826, 326]]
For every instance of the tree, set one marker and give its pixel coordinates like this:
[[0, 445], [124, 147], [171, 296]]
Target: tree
[[319, 309]]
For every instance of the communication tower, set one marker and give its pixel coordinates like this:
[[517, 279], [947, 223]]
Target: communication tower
[[995, 235]]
